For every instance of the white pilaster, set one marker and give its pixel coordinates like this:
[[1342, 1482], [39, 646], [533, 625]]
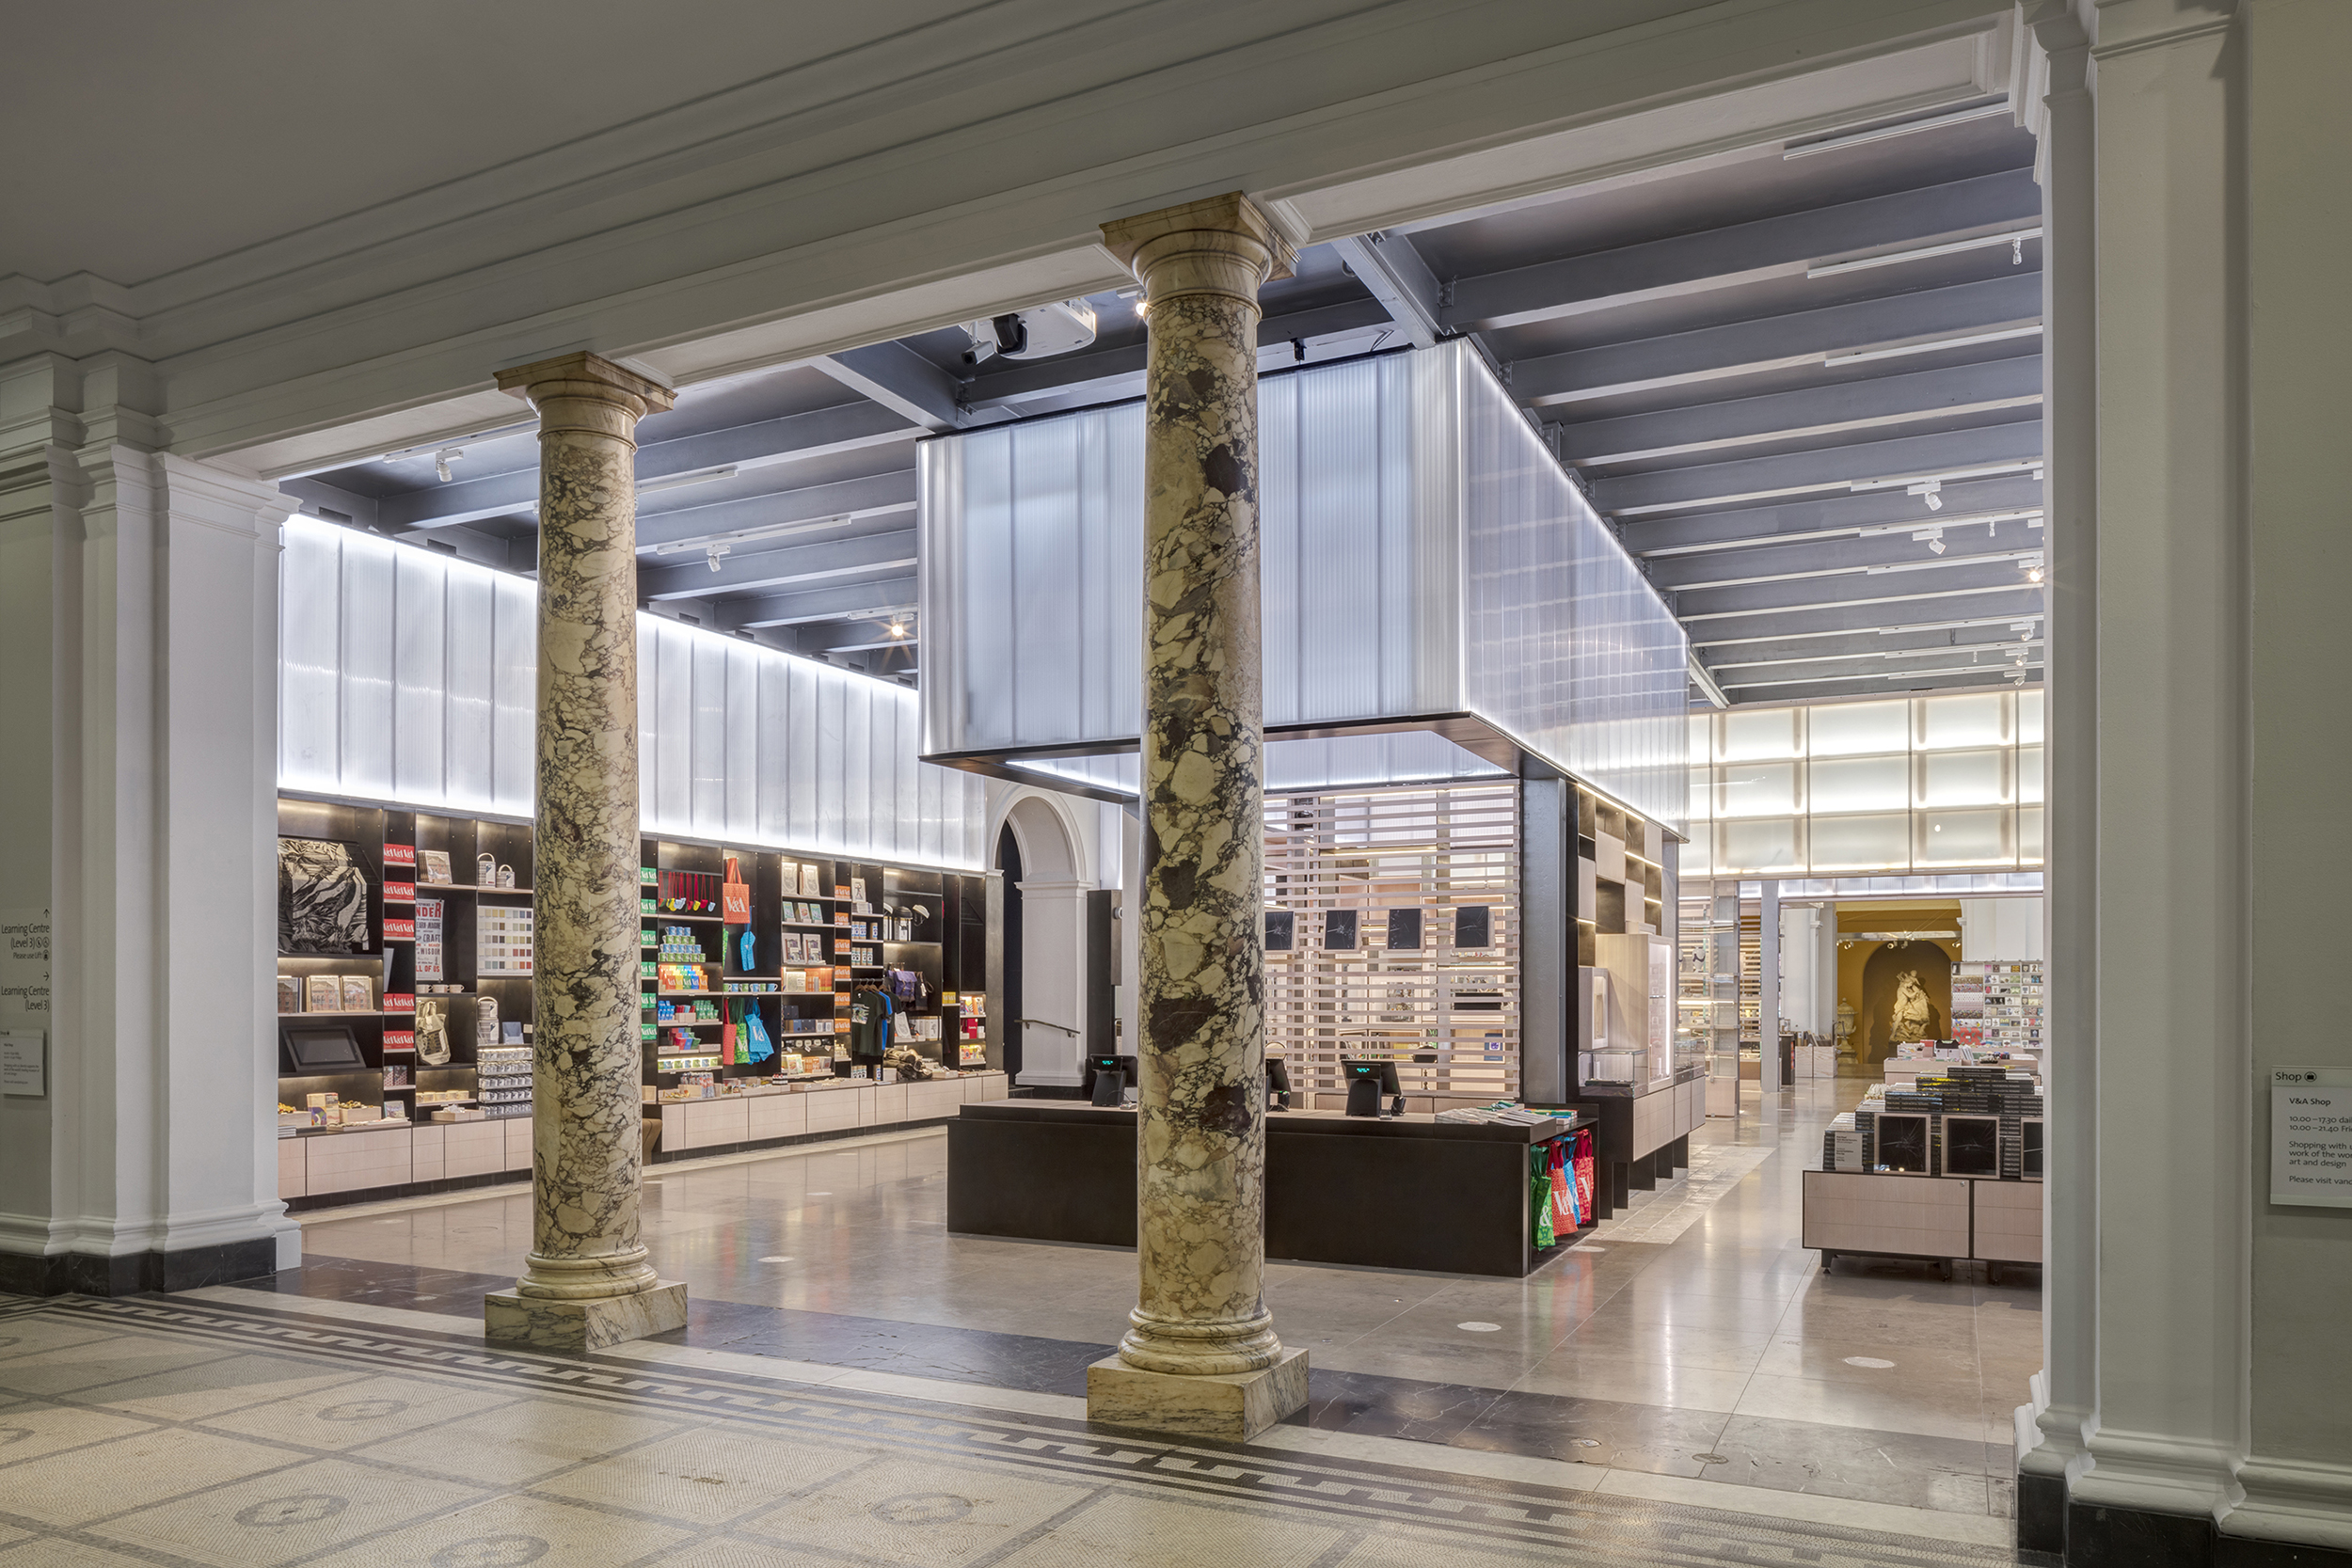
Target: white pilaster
[[2169, 669]]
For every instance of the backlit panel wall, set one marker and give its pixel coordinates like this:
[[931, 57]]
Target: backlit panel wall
[[410, 676], [1907, 784], [1421, 554]]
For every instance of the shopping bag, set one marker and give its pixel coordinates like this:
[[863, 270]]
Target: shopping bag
[[1564, 1220], [735, 895], [758, 1047], [1539, 1190]]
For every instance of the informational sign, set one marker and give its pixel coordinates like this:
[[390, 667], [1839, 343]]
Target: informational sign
[[21, 1063], [24, 967], [2310, 1136]]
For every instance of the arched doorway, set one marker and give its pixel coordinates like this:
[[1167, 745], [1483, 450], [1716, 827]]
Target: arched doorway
[[1044, 947]]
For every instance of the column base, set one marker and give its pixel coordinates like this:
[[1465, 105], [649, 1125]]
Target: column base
[[510, 1318], [1226, 1407]]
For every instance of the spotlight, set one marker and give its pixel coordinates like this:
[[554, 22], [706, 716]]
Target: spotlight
[[1935, 547], [442, 459], [714, 553], [898, 628], [1928, 490]]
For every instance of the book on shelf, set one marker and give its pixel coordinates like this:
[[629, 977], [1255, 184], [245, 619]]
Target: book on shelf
[[358, 996], [322, 993]]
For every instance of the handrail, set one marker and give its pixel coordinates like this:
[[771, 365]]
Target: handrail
[[1048, 1023]]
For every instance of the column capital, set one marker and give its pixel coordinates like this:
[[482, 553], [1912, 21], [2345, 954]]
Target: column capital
[[1223, 245], [580, 381]]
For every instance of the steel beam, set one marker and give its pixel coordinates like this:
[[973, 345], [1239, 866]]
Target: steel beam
[[769, 443], [901, 381], [1797, 338], [1780, 246], [1831, 517], [1859, 406], [1715, 629], [1835, 646], [857, 499], [1749, 480], [1111, 372], [865, 555], [1883, 555], [854, 601], [1390, 266], [1962, 576]]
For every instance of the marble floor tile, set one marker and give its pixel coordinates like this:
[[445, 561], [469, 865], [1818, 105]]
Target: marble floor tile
[[216, 1387], [352, 1415], [515, 1531], [1619, 1435], [91, 1363], [1932, 1410], [286, 1514], [916, 1511], [53, 1553], [705, 1476], [1580, 1375], [1918, 1360], [28, 1335], [516, 1444], [1121, 1529], [77, 1485], [31, 1429], [1844, 1462]]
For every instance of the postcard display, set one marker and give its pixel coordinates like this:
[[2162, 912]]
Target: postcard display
[[412, 934]]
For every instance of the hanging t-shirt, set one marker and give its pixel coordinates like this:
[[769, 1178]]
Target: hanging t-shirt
[[869, 1025]]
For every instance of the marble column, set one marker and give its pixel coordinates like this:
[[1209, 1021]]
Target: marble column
[[1201, 1356], [588, 1281]]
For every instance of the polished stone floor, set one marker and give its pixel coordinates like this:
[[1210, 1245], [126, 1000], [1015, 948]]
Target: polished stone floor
[[858, 1387]]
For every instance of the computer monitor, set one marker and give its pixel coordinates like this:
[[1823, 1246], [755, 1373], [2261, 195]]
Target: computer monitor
[[312, 1048], [1367, 1082], [1106, 1078]]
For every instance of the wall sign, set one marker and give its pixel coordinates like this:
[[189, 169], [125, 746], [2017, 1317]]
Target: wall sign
[[2310, 1136], [21, 1063]]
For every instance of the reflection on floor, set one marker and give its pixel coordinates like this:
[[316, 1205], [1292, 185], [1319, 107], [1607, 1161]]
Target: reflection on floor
[[1725, 1355], [246, 1428]]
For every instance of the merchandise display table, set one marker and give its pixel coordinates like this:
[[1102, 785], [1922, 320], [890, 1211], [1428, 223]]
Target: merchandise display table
[[368, 1161], [1413, 1193], [1940, 1219]]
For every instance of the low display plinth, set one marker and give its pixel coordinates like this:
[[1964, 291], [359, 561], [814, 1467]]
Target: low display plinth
[[1414, 1193], [510, 1318], [1223, 1407]]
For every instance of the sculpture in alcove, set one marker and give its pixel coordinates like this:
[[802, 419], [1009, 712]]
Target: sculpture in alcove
[[1910, 1014], [1906, 995]]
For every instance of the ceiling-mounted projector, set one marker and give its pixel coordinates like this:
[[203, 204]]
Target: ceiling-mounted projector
[[1037, 333]]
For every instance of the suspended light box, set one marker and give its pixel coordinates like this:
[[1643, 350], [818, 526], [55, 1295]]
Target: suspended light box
[[1425, 566], [410, 677]]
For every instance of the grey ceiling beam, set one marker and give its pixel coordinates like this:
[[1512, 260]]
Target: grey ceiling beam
[[1110, 371], [847, 601], [1848, 407], [758, 570], [848, 636], [900, 380], [1888, 682], [856, 500], [2018, 601], [1806, 596], [1830, 648], [1826, 518], [1886, 554], [1783, 246], [322, 499], [1905, 667], [1748, 479], [767, 443], [1398, 277], [1715, 354]]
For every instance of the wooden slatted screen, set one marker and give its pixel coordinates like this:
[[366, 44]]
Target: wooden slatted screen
[[1448, 1015]]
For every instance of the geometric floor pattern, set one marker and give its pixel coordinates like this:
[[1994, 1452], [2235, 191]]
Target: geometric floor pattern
[[163, 1430]]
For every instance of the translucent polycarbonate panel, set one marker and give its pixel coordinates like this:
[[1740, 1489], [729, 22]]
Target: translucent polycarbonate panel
[[1032, 583], [365, 722], [1566, 646], [1977, 837], [1856, 729], [2028, 775], [1420, 551], [1695, 857], [1758, 789], [1858, 784], [1967, 718], [1117, 772], [309, 657], [1702, 804], [1408, 756], [1759, 734], [1878, 842], [469, 718], [735, 743], [2030, 850], [2029, 709], [1765, 845], [1965, 778]]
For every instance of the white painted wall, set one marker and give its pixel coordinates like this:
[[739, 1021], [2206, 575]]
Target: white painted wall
[[2002, 930]]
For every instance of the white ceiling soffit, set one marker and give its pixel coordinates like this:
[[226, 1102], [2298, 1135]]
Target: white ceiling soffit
[[1625, 149], [1697, 125]]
